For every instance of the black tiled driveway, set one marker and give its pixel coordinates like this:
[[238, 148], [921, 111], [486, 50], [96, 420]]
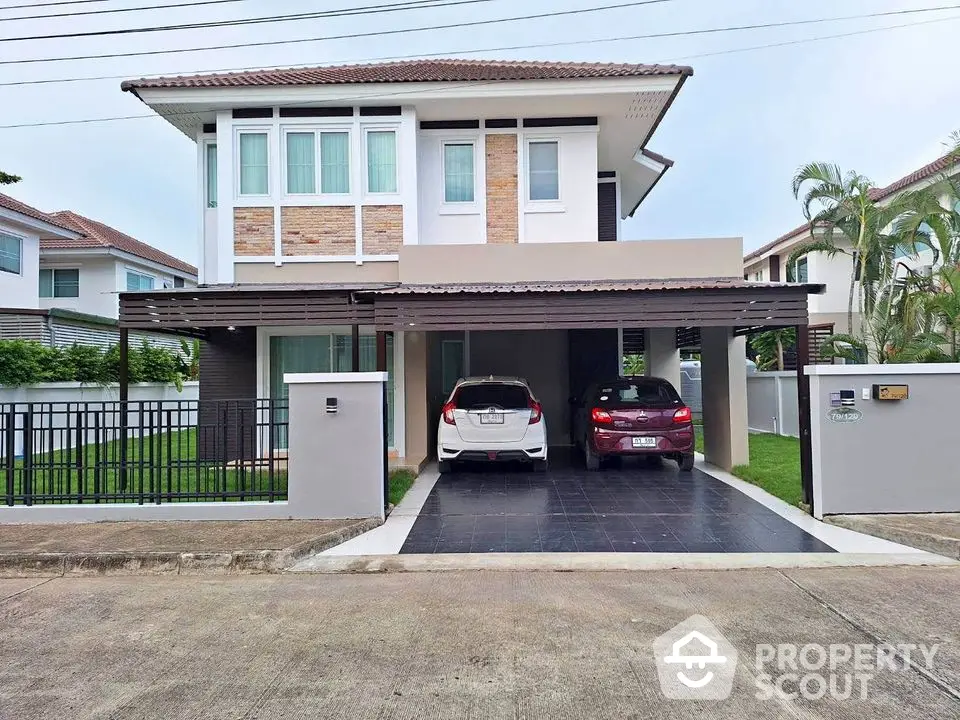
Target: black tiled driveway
[[631, 509]]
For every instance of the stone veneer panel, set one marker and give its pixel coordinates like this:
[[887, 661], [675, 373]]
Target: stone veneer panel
[[502, 208], [382, 229], [253, 231], [318, 230]]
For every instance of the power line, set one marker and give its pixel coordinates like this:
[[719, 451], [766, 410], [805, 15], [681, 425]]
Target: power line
[[447, 26], [647, 36], [342, 12], [111, 12], [752, 48], [49, 4]]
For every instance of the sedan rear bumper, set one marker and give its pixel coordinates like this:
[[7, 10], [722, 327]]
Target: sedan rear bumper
[[669, 442]]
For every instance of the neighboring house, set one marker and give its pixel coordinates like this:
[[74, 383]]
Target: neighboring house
[[769, 263], [61, 275], [413, 216], [66, 261]]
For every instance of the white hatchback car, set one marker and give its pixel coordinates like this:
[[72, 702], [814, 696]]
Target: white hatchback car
[[493, 419]]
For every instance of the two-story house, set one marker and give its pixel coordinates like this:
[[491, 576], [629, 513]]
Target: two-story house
[[63, 269], [769, 262], [440, 218]]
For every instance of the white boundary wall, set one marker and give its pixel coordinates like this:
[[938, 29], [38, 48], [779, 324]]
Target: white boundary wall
[[772, 405]]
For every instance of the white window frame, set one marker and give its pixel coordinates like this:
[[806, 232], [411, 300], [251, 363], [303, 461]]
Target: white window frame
[[21, 239], [551, 205], [376, 198], [467, 207], [318, 197], [206, 170], [806, 264], [252, 130], [127, 270]]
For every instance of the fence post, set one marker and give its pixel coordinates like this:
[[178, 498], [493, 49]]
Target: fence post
[[803, 403], [124, 380], [27, 476], [11, 449]]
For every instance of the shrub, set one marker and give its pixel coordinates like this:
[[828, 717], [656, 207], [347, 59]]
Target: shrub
[[20, 362]]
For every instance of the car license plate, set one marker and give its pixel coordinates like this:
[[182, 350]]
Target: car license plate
[[644, 442], [491, 419]]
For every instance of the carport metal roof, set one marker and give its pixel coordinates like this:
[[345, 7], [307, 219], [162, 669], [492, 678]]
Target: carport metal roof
[[486, 306]]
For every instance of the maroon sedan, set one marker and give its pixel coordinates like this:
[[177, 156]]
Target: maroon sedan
[[634, 416]]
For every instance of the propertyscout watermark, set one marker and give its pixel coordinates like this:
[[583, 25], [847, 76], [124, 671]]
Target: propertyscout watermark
[[696, 662]]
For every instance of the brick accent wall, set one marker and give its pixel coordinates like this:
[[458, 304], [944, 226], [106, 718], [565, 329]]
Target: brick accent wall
[[501, 167], [382, 229], [253, 231], [318, 230]]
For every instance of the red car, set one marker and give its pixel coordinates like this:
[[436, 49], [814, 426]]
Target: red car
[[634, 416]]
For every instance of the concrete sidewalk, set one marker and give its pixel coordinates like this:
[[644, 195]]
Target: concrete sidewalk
[[934, 532], [458, 644], [167, 547]]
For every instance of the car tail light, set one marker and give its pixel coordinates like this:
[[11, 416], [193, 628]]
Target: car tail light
[[448, 409], [683, 415], [536, 412], [600, 416]]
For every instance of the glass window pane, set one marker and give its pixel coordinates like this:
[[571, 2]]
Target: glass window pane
[[10, 253], [46, 283], [66, 283], [211, 175], [335, 162], [544, 167], [137, 281], [802, 273], [458, 172], [253, 164], [301, 170], [382, 162], [289, 353]]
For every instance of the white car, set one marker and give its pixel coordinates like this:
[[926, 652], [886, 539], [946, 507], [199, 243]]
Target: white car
[[492, 419]]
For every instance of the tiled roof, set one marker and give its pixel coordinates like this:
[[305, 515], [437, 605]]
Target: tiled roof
[[441, 70], [587, 286], [16, 206], [876, 194], [98, 235]]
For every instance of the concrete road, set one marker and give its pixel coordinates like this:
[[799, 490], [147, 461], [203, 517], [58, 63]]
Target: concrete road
[[456, 644]]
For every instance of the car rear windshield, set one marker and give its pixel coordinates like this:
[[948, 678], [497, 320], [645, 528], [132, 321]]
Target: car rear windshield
[[636, 393], [480, 397]]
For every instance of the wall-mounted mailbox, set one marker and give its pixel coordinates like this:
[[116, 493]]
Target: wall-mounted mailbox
[[332, 406], [891, 392]]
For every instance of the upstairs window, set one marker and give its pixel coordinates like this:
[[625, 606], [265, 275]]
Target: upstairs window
[[458, 175], [543, 169], [802, 273], [254, 164], [59, 283], [381, 161], [178, 282], [11, 248], [301, 163], [139, 281], [335, 163], [210, 160]]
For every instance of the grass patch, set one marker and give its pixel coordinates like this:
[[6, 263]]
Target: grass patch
[[774, 465], [400, 482]]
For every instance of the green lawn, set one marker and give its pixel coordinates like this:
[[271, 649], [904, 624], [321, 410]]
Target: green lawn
[[400, 482], [774, 465], [165, 464]]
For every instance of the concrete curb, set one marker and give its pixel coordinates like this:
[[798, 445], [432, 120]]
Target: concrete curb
[[238, 562], [931, 542], [595, 562]]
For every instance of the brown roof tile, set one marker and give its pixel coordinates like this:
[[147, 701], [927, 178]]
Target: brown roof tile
[[440, 70], [98, 235], [16, 206]]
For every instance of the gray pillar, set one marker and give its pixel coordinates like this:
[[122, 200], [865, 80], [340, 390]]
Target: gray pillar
[[663, 357], [724, 387]]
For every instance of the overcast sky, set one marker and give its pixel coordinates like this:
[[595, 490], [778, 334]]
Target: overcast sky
[[882, 103]]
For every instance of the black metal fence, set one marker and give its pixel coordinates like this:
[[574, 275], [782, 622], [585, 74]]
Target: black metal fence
[[143, 452]]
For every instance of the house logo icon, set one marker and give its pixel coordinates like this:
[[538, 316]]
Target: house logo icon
[[695, 662]]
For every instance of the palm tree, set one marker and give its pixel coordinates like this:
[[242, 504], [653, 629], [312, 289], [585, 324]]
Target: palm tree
[[770, 345]]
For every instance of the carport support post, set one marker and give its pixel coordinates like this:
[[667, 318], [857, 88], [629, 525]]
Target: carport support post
[[803, 406], [355, 348], [662, 355], [724, 388], [382, 367], [123, 378]]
